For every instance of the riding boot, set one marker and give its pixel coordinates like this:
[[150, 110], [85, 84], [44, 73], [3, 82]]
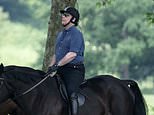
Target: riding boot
[[74, 104]]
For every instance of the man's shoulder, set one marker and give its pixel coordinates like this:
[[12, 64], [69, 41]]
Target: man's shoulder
[[75, 30]]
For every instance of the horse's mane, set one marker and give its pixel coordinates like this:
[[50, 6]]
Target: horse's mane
[[22, 68], [25, 74]]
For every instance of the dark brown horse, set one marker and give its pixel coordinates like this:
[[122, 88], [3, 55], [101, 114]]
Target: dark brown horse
[[9, 107], [105, 94]]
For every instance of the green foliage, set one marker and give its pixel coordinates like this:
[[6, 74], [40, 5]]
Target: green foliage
[[15, 9], [122, 27], [19, 42], [116, 32], [26, 11], [39, 11], [150, 14], [4, 16], [23, 25], [150, 17], [103, 3], [130, 47]]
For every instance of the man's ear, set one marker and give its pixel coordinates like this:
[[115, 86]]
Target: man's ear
[[73, 20]]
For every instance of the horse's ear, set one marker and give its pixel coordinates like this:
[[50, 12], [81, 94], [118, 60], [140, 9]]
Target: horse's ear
[[1, 68]]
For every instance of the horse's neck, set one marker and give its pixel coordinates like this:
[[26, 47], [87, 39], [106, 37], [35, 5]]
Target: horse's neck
[[40, 98]]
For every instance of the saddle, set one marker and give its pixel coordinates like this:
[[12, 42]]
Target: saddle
[[63, 92]]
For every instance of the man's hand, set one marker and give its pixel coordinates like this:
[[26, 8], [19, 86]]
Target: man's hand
[[52, 68]]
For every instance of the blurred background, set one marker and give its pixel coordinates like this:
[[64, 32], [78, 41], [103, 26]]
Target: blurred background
[[118, 36]]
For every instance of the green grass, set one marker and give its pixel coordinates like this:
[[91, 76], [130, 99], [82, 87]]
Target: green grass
[[147, 88], [150, 102]]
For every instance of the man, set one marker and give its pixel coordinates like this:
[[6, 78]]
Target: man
[[69, 55]]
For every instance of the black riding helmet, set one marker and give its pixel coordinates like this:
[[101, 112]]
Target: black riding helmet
[[72, 11]]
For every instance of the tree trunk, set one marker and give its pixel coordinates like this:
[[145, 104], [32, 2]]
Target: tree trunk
[[53, 28], [125, 71]]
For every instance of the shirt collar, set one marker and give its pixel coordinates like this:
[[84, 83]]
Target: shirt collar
[[66, 30]]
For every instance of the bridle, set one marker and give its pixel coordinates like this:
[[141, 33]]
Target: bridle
[[34, 86]]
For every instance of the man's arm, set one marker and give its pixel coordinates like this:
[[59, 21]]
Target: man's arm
[[67, 58]]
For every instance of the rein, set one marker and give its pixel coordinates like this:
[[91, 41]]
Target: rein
[[30, 89]]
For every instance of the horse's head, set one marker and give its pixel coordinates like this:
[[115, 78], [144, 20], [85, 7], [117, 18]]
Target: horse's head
[[9, 81], [24, 85], [4, 93], [15, 80]]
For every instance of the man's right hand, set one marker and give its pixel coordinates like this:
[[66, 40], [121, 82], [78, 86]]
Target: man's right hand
[[52, 68]]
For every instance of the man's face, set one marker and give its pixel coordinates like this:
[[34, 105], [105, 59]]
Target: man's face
[[65, 18]]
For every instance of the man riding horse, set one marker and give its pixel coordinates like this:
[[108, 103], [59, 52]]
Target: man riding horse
[[69, 55]]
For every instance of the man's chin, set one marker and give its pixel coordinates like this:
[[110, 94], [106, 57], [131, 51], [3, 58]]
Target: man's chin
[[63, 25]]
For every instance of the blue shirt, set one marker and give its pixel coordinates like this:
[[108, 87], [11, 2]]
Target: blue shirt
[[70, 40]]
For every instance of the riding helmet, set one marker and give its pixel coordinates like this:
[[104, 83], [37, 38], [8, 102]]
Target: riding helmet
[[72, 11]]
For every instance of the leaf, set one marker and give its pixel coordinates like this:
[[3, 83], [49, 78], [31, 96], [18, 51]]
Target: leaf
[[98, 4]]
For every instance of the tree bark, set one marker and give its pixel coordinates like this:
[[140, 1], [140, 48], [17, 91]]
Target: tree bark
[[54, 26], [125, 71]]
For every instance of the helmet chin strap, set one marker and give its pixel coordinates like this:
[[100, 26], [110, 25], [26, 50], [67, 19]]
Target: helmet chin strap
[[64, 25]]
